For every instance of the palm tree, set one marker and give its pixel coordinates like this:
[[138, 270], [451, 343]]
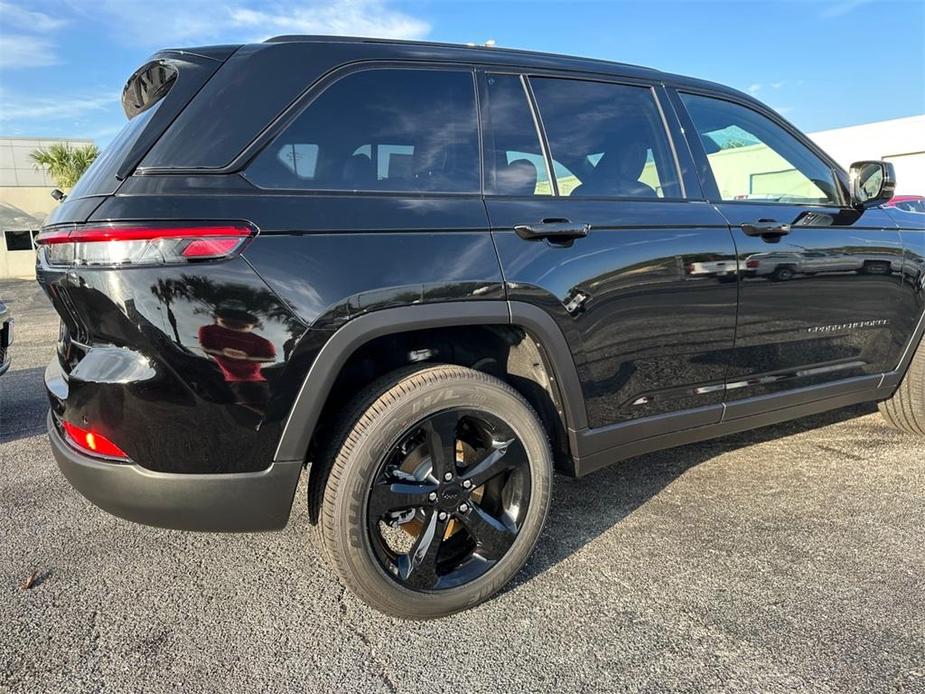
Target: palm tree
[[66, 164]]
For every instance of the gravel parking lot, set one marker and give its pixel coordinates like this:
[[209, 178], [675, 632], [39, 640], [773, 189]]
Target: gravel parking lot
[[790, 558]]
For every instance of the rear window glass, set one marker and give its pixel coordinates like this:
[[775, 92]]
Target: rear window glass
[[100, 178], [390, 130]]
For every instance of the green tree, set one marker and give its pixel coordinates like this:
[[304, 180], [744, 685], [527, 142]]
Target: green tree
[[66, 164]]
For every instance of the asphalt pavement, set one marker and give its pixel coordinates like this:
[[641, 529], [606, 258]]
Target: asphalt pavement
[[791, 558]]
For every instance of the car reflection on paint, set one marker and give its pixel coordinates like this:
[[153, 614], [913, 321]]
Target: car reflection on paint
[[721, 269], [785, 265], [909, 203]]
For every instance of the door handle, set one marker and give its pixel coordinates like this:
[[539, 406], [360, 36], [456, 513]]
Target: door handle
[[553, 229], [768, 229]]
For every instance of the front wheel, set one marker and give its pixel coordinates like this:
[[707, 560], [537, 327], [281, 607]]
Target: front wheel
[[906, 409], [438, 493]]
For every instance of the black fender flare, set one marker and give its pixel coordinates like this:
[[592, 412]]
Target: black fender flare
[[306, 410]]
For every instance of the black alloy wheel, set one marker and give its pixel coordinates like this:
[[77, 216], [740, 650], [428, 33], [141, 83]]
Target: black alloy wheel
[[456, 485]]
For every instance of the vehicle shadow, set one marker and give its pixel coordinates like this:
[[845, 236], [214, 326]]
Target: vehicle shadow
[[585, 508], [23, 404]]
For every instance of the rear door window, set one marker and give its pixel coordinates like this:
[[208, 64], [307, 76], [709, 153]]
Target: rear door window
[[387, 130], [606, 140]]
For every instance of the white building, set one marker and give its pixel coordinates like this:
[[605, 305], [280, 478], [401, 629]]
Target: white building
[[25, 201], [900, 141]]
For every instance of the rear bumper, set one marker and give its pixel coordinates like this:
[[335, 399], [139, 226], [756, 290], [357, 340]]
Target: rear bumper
[[234, 502]]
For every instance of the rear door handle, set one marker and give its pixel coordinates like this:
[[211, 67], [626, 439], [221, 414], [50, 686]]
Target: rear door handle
[[553, 229], [768, 229]]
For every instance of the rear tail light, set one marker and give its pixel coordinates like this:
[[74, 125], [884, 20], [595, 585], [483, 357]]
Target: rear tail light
[[142, 244], [752, 264], [92, 441]]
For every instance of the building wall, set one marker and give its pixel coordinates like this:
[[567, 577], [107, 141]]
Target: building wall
[[900, 141], [36, 200], [16, 263], [28, 188]]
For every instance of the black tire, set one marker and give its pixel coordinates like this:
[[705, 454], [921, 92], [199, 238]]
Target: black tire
[[380, 425], [784, 274], [906, 409]]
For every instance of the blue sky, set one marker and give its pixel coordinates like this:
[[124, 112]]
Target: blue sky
[[821, 63]]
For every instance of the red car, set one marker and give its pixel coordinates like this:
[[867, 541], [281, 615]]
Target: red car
[[910, 203]]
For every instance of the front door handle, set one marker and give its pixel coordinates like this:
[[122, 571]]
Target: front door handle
[[768, 229], [553, 229]]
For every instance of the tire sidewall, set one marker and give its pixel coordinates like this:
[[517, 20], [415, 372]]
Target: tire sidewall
[[352, 545]]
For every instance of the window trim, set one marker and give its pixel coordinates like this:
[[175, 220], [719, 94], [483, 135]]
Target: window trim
[[702, 162], [281, 123], [541, 134]]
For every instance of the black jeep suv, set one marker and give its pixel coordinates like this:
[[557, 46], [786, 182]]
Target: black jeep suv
[[434, 274]]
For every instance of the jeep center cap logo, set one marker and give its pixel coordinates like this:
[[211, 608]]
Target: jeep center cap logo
[[451, 494]]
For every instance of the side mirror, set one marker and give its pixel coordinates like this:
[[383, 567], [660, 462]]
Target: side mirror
[[872, 183]]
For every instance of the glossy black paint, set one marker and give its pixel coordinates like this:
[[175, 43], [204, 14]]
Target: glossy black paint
[[647, 301], [656, 329], [821, 304], [139, 351]]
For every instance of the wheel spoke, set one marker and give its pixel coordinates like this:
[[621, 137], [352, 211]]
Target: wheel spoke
[[441, 442], [395, 496], [491, 535], [418, 568], [504, 455]]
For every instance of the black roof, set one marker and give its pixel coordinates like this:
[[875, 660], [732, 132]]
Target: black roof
[[520, 57]]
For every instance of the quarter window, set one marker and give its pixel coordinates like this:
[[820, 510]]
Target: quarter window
[[513, 156], [606, 140], [753, 158], [399, 130]]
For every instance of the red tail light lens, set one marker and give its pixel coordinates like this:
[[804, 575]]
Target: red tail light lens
[[134, 244], [92, 442], [752, 264]]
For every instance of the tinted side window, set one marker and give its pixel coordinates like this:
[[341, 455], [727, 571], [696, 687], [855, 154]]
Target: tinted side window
[[380, 130], [753, 158], [514, 162], [606, 140]]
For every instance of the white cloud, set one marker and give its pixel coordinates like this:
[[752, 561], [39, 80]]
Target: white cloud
[[29, 20], [23, 49], [843, 7], [161, 24], [776, 86], [19, 50], [172, 23], [344, 18], [58, 107]]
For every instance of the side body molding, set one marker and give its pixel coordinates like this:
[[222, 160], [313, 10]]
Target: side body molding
[[304, 415]]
